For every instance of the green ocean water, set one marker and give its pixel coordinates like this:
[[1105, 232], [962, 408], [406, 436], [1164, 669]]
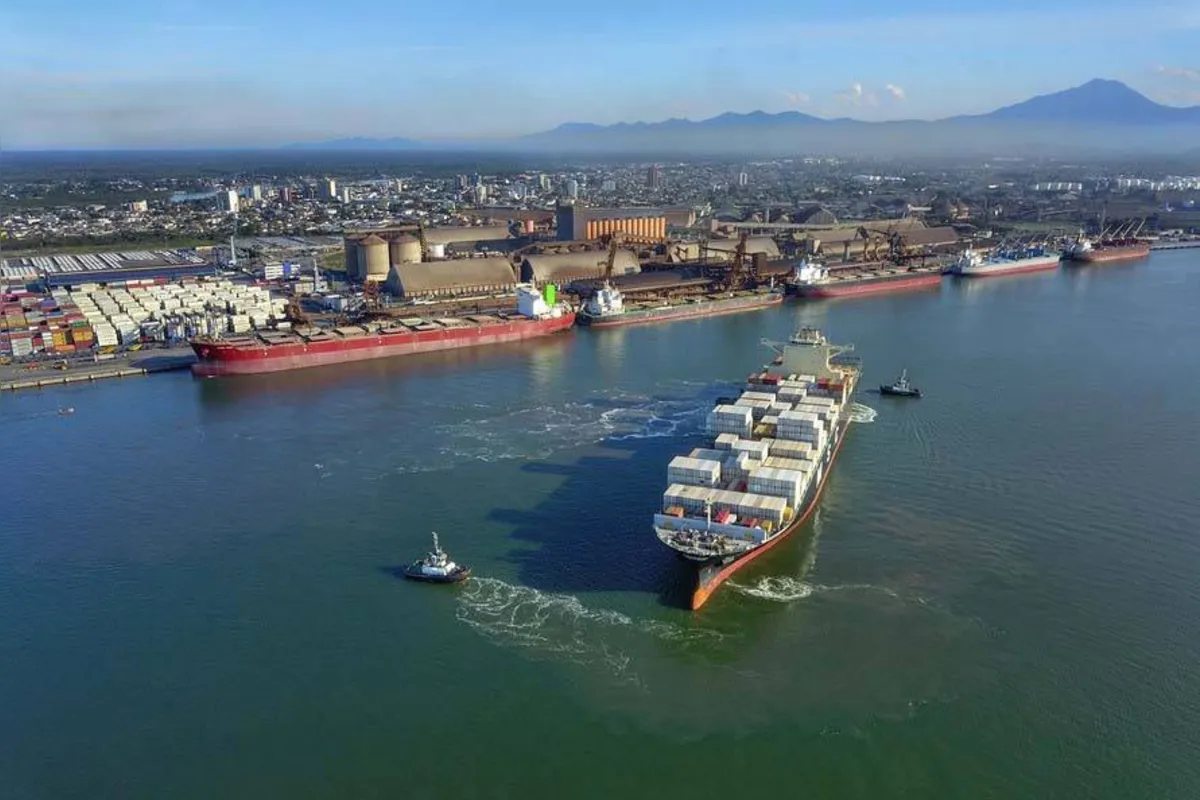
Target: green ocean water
[[997, 598]]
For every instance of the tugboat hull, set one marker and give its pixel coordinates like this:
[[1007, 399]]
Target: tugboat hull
[[894, 392], [414, 573]]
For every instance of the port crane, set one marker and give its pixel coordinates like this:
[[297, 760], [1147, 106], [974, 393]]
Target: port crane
[[614, 241]]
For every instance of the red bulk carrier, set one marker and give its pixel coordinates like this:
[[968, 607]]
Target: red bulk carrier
[[273, 351], [1122, 245], [814, 281]]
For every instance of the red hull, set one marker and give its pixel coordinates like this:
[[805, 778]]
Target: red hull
[[703, 593], [252, 356], [1106, 254], [873, 286]]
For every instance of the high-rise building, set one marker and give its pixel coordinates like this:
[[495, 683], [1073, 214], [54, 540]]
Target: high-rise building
[[255, 193], [544, 182], [462, 181], [571, 188], [228, 200], [608, 186], [654, 176], [398, 185], [345, 195], [331, 191], [481, 194], [743, 179], [285, 195]]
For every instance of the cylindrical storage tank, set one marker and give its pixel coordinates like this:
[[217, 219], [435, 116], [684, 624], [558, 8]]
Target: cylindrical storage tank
[[351, 263], [590, 230], [436, 249], [373, 262], [404, 249], [529, 226]]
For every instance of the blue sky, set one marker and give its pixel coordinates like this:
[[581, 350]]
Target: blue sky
[[76, 73]]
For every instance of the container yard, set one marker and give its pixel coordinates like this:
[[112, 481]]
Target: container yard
[[103, 319]]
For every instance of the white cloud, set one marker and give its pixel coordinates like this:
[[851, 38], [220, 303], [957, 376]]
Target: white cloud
[[856, 95], [896, 92], [1186, 73], [796, 98]]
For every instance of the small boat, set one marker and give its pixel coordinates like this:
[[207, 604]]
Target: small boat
[[901, 388], [436, 567]]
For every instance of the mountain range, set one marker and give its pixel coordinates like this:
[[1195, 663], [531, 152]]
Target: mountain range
[[1098, 115]]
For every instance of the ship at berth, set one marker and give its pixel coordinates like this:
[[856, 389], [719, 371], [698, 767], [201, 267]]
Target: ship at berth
[[273, 351], [1005, 261], [772, 451]]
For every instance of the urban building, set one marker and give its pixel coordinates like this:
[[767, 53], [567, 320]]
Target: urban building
[[743, 179], [139, 207], [227, 200], [571, 188], [285, 195], [654, 176], [608, 186], [331, 192], [255, 193], [575, 222]]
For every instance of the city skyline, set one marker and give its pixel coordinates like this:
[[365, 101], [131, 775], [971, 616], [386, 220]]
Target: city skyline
[[186, 75]]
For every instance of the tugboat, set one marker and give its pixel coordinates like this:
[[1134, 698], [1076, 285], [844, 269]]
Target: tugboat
[[436, 567], [901, 388]]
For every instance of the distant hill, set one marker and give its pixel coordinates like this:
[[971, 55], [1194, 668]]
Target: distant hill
[[1100, 115], [1097, 101]]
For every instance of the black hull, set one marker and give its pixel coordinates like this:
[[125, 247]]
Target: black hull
[[894, 392], [414, 574]]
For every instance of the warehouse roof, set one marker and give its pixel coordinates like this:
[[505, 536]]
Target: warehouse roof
[[436, 276], [930, 237], [575, 266], [755, 244], [472, 233]]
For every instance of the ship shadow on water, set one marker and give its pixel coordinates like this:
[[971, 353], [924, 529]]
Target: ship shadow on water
[[593, 533]]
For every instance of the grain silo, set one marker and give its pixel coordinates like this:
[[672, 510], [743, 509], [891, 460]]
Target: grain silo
[[404, 249], [372, 259], [351, 246]]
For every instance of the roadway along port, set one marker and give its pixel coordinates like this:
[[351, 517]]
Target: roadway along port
[[16, 376]]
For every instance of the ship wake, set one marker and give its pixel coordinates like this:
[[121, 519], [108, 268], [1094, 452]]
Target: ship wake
[[785, 589], [561, 626]]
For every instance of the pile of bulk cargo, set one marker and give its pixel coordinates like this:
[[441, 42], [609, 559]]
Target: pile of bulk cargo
[[32, 324], [767, 445]]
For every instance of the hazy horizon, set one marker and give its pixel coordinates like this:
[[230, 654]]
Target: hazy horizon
[[223, 75]]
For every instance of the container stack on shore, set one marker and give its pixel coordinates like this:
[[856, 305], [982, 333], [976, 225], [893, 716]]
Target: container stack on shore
[[92, 317]]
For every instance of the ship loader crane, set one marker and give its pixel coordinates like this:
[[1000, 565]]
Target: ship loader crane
[[737, 269]]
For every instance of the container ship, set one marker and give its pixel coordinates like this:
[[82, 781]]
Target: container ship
[[1004, 261], [772, 451], [815, 281], [606, 308], [273, 351], [1122, 246]]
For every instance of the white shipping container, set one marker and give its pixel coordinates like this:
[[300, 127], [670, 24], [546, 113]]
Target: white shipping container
[[725, 441], [709, 455], [693, 471], [758, 450], [795, 464], [756, 395]]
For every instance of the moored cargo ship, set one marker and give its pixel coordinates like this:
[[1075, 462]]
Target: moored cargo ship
[[1005, 261], [1084, 252], [607, 308], [773, 450], [1121, 243], [273, 351], [815, 281]]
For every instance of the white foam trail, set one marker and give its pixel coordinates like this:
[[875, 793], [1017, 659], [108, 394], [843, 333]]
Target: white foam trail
[[861, 413], [785, 589], [561, 625]]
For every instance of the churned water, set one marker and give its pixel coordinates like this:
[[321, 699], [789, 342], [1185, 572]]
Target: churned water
[[997, 597]]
